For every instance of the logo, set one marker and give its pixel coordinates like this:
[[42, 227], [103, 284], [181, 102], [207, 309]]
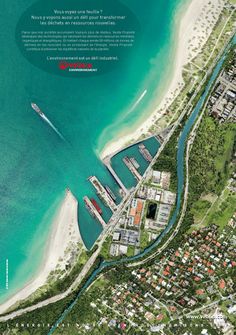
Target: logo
[[65, 65]]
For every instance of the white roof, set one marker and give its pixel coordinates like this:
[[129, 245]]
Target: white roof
[[123, 249], [232, 309], [157, 174], [116, 236]]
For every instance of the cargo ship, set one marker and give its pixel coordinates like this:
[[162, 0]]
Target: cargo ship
[[95, 204], [145, 153], [132, 169], [135, 163], [109, 191], [102, 193], [94, 211], [88, 206]]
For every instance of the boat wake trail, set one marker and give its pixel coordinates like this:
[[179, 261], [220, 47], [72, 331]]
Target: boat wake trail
[[138, 101], [43, 116], [53, 127]]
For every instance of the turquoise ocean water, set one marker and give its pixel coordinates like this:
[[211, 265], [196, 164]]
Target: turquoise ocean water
[[36, 165]]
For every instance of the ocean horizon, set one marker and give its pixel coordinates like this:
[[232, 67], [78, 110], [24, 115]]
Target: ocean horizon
[[37, 164]]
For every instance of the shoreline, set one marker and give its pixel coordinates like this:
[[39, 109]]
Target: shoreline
[[185, 51], [64, 231]]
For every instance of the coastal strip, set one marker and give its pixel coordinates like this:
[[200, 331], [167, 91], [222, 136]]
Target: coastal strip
[[64, 233], [196, 24]]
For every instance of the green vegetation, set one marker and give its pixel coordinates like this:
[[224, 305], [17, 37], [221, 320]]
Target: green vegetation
[[131, 250], [230, 58], [194, 326], [222, 210], [224, 308], [167, 161], [199, 209], [45, 316], [84, 312], [144, 236], [105, 251], [54, 286], [91, 251], [209, 170], [144, 242], [210, 157]]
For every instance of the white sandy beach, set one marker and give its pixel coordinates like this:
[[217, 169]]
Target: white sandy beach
[[65, 232], [194, 29]]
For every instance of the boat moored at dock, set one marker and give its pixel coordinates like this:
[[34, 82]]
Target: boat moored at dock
[[95, 204], [145, 152], [102, 193], [132, 169], [93, 211], [109, 191], [134, 162]]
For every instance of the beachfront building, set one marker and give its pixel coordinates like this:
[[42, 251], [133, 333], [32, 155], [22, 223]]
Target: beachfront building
[[222, 103]]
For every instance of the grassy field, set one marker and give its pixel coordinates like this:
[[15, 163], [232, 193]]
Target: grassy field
[[222, 210], [200, 209], [144, 239], [131, 250], [105, 251]]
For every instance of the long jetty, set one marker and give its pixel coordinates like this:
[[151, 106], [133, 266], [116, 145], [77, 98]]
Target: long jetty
[[107, 163]]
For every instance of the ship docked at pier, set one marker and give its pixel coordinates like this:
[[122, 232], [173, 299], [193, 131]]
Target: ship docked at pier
[[145, 153], [95, 204], [109, 191], [94, 210], [102, 193]]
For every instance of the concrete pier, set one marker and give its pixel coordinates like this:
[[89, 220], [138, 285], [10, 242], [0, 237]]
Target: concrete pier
[[114, 175], [132, 169], [94, 211], [102, 193]]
